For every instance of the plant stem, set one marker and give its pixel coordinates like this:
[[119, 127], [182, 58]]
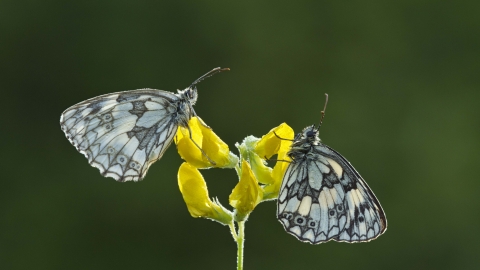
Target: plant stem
[[240, 240], [233, 231]]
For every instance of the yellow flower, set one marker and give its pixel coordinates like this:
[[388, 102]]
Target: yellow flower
[[210, 143], [270, 145], [255, 151], [246, 194], [195, 194]]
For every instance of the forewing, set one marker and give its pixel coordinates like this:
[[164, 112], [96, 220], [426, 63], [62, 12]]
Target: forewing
[[324, 198], [122, 133]]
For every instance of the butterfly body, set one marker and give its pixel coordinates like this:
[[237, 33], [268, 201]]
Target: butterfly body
[[323, 198], [123, 133]]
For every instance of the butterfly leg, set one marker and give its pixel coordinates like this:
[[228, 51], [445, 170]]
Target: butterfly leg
[[200, 119], [201, 150]]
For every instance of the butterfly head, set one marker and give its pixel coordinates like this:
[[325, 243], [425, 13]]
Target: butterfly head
[[308, 135], [191, 94]]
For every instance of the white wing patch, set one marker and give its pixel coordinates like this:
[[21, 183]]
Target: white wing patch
[[122, 134], [323, 198]]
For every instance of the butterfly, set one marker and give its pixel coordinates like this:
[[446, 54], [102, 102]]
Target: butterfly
[[323, 198], [123, 133]]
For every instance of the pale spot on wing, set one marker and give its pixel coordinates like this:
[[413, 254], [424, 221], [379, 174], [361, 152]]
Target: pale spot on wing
[[93, 151], [131, 173], [296, 230], [361, 199], [305, 205], [351, 204], [344, 236], [90, 137], [281, 207], [130, 147], [102, 160], [150, 118], [336, 167], [341, 222], [368, 219], [309, 235], [321, 237], [283, 195], [292, 205], [153, 106], [123, 107], [140, 156], [315, 176], [70, 122], [123, 116], [333, 232], [298, 171], [323, 213], [362, 229], [328, 197], [340, 192], [116, 169]]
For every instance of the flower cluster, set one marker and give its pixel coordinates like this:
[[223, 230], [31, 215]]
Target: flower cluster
[[257, 182]]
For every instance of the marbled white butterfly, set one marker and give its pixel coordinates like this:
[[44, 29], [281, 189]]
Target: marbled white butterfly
[[123, 133], [323, 198]]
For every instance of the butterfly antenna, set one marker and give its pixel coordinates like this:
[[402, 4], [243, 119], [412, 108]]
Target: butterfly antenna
[[208, 74], [323, 112]]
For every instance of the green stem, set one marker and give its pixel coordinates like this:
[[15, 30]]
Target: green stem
[[232, 230], [240, 240]]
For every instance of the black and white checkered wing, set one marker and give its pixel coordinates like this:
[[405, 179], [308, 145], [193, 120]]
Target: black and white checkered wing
[[323, 198], [122, 133]]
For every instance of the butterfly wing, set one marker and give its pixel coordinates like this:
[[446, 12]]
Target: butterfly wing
[[122, 133], [323, 198]]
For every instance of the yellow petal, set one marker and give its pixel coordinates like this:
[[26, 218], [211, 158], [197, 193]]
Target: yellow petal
[[270, 144], [262, 172], [194, 190], [195, 194], [211, 144], [246, 194], [271, 191]]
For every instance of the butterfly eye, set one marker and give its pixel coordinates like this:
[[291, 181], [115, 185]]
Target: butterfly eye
[[312, 224], [339, 208], [310, 133], [332, 213], [361, 219], [110, 150]]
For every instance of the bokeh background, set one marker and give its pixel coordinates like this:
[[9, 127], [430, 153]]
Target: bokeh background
[[403, 79]]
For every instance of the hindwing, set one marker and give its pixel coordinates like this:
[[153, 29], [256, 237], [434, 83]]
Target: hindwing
[[323, 198], [123, 133]]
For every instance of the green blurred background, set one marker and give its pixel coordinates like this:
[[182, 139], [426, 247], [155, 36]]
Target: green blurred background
[[404, 109]]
